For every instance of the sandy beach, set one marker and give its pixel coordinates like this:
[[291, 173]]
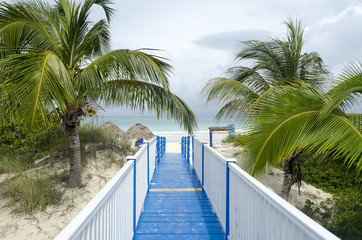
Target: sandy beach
[[47, 224], [274, 181]]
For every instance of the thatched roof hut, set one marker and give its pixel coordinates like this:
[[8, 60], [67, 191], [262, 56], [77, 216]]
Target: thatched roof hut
[[113, 129], [139, 131]]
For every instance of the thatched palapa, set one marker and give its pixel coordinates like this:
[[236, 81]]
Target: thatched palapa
[[113, 129], [139, 131]]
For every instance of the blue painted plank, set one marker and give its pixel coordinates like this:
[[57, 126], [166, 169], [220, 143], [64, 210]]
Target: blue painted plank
[[180, 237], [177, 214], [178, 228]]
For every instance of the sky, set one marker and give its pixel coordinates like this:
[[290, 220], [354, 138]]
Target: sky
[[201, 37]]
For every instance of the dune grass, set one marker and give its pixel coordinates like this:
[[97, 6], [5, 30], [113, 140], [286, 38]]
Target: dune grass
[[30, 187]]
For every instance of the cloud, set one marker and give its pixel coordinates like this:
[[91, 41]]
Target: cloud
[[338, 38], [229, 40]]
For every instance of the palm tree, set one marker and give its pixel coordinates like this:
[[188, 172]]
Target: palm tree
[[286, 123], [272, 63], [58, 63]]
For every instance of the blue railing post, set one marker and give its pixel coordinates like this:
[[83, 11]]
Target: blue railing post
[[188, 149], [163, 145], [210, 138], [202, 164], [158, 148], [227, 217], [134, 193], [183, 146], [148, 164], [193, 145]]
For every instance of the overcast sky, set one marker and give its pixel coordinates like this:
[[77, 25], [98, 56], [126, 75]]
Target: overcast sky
[[200, 37]]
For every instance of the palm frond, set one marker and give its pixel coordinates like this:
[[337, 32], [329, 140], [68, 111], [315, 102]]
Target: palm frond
[[124, 64], [348, 88], [142, 96], [312, 70], [94, 43], [224, 90], [235, 96], [31, 19], [250, 77], [286, 120], [356, 119], [34, 81], [279, 60]]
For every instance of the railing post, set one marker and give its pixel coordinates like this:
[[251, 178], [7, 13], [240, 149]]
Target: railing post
[[210, 138], [148, 164], [227, 217], [158, 148], [134, 193], [202, 164], [183, 146], [193, 152], [188, 148]]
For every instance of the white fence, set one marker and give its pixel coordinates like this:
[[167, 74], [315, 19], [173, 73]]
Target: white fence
[[198, 154], [114, 212], [245, 207]]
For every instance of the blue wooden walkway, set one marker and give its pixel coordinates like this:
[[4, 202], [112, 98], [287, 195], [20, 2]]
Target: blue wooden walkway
[[176, 207]]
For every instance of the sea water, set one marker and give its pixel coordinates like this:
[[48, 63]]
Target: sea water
[[169, 128]]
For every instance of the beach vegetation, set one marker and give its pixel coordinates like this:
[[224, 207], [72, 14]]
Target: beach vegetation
[[238, 139], [288, 116], [342, 214], [286, 128], [57, 66], [32, 186], [273, 63], [29, 193]]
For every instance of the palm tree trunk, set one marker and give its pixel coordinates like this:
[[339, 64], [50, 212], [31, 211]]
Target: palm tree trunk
[[75, 169], [292, 174], [288, 178], [71, 121]]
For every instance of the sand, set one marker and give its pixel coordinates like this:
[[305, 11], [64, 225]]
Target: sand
[[173, 147], [274, 181], [47, 224]]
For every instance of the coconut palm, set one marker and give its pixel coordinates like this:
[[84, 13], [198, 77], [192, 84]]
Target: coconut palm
[[285, 123], [59, 63], [272, 63]]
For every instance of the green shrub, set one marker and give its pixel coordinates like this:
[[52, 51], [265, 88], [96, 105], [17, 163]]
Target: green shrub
[[239, 139], [31, 142], [13, 162], [89, 134], [342, 216]]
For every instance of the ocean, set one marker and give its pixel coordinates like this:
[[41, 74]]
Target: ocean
[[168, 127]]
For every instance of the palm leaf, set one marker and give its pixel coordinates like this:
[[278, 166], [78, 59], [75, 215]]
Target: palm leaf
[[286, 120], [142, 96], [124, 64], [348, 88], [31, 19], [356, 119], [35, 81]]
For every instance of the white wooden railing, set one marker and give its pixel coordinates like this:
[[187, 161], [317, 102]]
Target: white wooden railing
[[114, 212], [245, 207]]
